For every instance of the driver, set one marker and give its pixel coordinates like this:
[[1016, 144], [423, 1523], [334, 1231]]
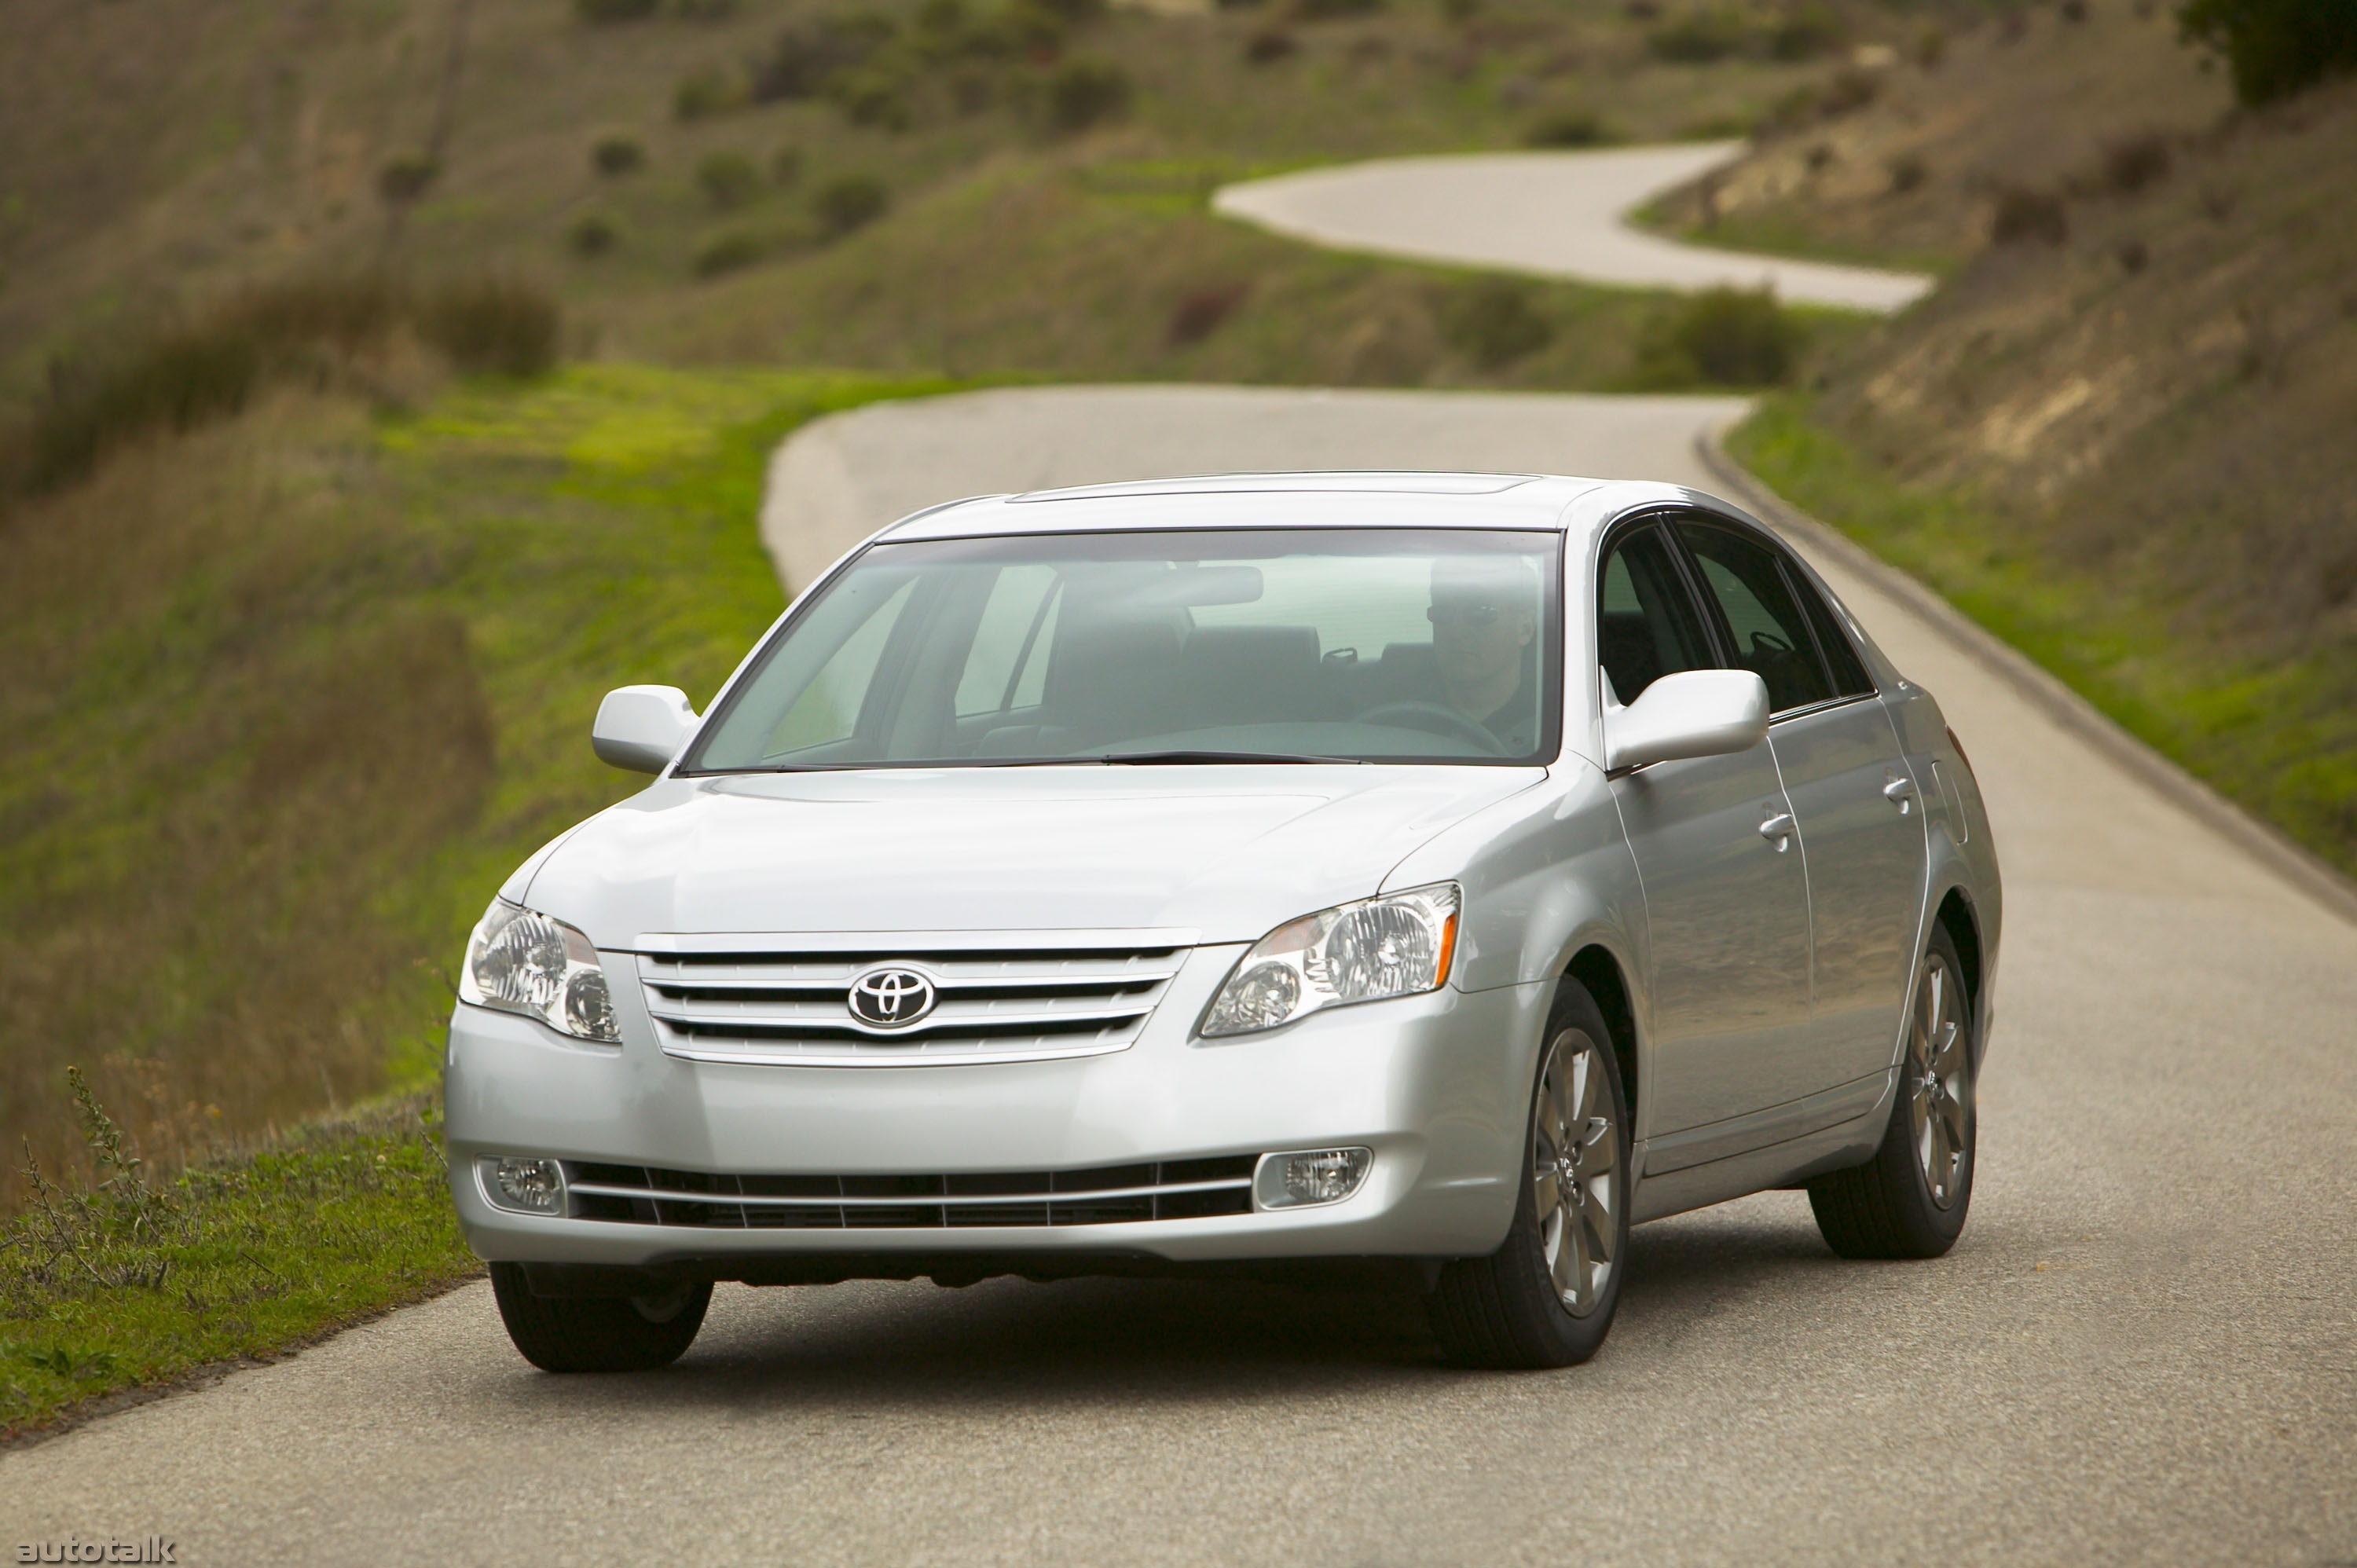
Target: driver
[[1484, 615]]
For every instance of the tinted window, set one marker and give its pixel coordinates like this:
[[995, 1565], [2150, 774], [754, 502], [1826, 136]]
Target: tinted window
[[1646, 624], [1850, 678], [1367, 644], [1771, 636]]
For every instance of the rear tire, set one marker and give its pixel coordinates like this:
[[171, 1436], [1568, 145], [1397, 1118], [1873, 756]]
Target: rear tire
[[1911, 1199], [598, 1334], [1547, 1296]]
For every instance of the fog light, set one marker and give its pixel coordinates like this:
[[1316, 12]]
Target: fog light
[[528, 1187], [1312, 1177]]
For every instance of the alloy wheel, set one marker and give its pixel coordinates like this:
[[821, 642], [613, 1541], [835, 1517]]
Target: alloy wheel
[[1939, 1084], [1575, 1179]]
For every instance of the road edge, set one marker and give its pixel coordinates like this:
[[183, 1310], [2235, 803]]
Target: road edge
[[2322, 883]]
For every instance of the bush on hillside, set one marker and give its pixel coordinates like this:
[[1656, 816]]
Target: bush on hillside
[[727, 179], [702, 94], [1084, 93], [850, 202], [1202, 311], [1722, 337], [192, 371], [615, 10], [2275, 48], [491, 322], [786, 165], [2023, 215], [1270, 44], [731, 251], [1699, 38], [405, 177], [616, 154], [1570, 128], [592, 234], [805, 60], [1493, 323], [2136, 162], [1808, 30]]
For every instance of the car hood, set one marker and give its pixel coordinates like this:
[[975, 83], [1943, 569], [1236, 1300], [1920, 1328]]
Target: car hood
[[1225, 852]]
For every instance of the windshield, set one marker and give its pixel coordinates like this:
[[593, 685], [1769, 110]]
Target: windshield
[[1360, 645]]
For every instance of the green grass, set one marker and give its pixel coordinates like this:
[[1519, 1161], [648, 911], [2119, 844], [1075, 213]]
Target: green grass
[[2279, 735], [245, 1256], [1780, 232]]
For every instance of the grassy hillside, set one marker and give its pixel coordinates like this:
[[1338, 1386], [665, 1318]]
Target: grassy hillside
[[164, 150], [288, 696], [2120, 434]]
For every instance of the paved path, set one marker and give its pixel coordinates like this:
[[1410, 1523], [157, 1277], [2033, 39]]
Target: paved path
[[1557, 215], [2141, 1352]]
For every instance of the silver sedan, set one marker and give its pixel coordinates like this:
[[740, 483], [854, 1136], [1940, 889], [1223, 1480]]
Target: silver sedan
[[1413, 878]]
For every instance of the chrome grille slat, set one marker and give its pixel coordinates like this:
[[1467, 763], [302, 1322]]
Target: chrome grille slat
[[1002, 996], [929, 1200], [1170, 1189]]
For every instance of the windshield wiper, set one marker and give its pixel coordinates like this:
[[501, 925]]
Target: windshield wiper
[[1151, 758]]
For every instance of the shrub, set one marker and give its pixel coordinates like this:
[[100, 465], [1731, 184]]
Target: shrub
[[2132, 255], [2132, 164], [1731, 337], [1570, 128], [805, 60], [1931, 48], [1493, 323], [1270, 44], [2022, 214], [1850, 89], [616, 154], [491, 323], [405, 177], [1076, 13], [786, 165], [599, 11], [1805, 32], [727, 179], [1908, 172], [870, 96], [1083, 92], [1697, 38], [592, 234], [1327, 10], [703, 94], [1201, 311], [852, 201], [706, 10], [2275, 48], [731, 251]]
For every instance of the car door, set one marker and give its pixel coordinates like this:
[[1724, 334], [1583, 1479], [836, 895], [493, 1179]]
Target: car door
[[1725, 896], [1858, 807]]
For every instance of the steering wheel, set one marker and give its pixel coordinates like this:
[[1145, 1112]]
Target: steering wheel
[[1435, 718]]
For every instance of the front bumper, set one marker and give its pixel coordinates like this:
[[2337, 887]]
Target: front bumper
[[1437, 1086]]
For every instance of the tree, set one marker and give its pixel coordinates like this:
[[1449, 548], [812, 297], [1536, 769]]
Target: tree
[[2275, 48]]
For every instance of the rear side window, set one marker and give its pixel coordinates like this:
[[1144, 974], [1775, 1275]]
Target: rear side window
[[1771, 633], [1646, 624], [1848, 671]]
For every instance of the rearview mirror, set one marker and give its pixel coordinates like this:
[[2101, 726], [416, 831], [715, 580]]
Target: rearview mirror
[[1696, 712], [642, 727]]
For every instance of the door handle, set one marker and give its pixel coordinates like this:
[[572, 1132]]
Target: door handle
[[1777, 829], [1900, 792]]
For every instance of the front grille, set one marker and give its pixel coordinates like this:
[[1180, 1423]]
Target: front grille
[[1002, 996], [1109, 1195]]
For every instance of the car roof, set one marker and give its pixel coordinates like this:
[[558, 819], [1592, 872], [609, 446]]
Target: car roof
[[1370, 500]]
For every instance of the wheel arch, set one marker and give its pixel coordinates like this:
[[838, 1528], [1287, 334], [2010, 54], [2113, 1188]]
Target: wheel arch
[[1957, 916], [1598, 971]]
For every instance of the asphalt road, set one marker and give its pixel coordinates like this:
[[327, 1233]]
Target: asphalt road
[[1558, 214], [2141, 1352]]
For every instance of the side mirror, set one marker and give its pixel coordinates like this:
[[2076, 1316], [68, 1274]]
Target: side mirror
[[642, 727], [1696, 712]]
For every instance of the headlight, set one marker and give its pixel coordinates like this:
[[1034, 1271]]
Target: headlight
[[521, 961], [1394, 946]]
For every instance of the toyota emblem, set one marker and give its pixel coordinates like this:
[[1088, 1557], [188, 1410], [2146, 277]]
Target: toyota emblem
[[890, 998]]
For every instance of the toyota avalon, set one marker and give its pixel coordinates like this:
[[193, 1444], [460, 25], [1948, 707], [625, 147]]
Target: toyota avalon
[[1420, 877]]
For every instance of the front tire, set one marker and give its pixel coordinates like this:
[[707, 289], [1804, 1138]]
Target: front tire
[[1547, 1296], [598, 1334], [1911, 1199]]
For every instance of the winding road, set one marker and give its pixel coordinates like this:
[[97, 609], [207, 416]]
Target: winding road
[[1556, 215], [2142, 1351]]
